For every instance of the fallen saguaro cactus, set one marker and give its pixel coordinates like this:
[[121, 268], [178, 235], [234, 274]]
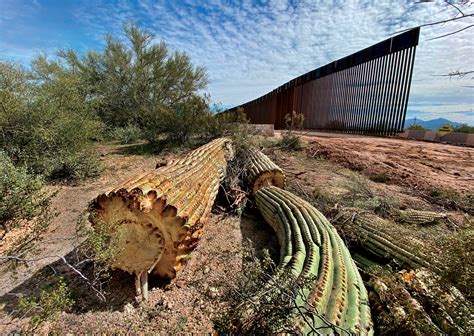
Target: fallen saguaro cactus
[[261, 171], [373, 235], [418, 217], [310, 247], [157, 218], [404, 303]]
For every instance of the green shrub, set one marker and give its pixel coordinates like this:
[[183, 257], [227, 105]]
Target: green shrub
[[20, 192], [415, 127], [48, 305], [46, 122], [458, 249], [464, 128], [128, 134], [291, 141]]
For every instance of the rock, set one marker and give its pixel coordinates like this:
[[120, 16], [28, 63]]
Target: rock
[[128, 308], [213, 292], [206, 270]]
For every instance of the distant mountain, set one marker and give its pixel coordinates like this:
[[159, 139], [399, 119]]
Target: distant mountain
[[431, 124]]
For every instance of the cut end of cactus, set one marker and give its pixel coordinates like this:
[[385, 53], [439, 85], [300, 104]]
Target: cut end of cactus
[[145, 230]]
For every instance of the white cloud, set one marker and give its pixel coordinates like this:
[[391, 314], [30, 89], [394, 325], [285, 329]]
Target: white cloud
[[250, 49]]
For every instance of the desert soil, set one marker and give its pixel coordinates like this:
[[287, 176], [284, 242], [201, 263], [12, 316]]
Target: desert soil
[[417, 164], [197, 296]]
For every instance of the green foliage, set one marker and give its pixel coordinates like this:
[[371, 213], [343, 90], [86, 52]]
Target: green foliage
[[46, 122], [357, 186], [359, 194], [458, 251], [464, 128], [180, 124], [289, 140], [451, 199], [127, 134], [263, 302], [48, 305], [20, 192], [100, 248], [138, 81], [415, 127]]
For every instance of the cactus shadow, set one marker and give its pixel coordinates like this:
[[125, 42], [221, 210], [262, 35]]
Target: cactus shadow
[[254, 228], [119, 290]]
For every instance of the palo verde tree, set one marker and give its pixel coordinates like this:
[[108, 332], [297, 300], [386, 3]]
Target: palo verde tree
[[46, 122], [138, 81]]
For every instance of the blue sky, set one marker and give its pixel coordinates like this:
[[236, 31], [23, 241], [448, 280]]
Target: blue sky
[[250, 47]]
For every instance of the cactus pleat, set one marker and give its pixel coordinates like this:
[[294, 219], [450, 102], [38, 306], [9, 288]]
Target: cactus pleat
[[419, 217], [310, 248], [261, 171], [338, 293], [157, 218], [375, 238]]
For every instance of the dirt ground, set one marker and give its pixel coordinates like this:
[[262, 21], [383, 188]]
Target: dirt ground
[[418, 164], [196, 297]]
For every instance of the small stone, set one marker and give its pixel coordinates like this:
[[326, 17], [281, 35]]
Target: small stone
[[128, 309], [180, 283], [213, 292], [206, 270]]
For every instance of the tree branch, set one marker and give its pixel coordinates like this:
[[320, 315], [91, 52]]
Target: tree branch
[[434, 23], [452, 33]]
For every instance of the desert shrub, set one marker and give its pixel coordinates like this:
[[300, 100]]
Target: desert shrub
[[357, 186], [182, 123], [46, 121], [243, 139], [136, 80], [464, 128], [415, 127], [458, 249], [450, 199], [225, 123], [360, 195], [256, 311], [20, 192], [291, 141], [127, 134], [47, 305], [76, 167], [100, 250]]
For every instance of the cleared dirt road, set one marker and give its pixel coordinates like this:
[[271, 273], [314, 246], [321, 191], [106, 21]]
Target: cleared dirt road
[[418, 164]]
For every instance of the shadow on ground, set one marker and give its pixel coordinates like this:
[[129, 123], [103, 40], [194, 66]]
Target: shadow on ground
[[255, 229], [119, 290]]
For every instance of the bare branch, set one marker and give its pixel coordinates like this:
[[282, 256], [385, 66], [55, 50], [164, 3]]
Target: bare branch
[[453, 5], [452, 33], [456, 73], [99, 293], [434, 23]]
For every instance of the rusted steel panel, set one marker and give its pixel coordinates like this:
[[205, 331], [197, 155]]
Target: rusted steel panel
[[365, 93]]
